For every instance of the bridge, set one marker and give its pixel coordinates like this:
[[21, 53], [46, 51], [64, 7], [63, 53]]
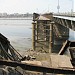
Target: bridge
[[51, 31], [50, 35], [66, 21]]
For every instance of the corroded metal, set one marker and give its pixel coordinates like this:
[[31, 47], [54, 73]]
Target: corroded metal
[[7, 51], [65, 21]]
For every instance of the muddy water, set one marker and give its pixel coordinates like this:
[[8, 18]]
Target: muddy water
[[19, 32]]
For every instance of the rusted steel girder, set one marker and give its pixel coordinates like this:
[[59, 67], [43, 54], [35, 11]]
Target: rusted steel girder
[[65, 46], [38, 68], [68, 22]]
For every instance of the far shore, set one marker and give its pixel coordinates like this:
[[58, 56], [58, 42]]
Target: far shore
[[15, 18]]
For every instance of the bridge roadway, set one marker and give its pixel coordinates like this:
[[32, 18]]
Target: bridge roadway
[[66, 21]]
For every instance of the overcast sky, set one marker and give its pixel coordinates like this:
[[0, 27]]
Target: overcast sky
[[40, 6]]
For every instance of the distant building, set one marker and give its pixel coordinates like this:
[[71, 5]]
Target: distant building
[[0, 14], [15, 15], [4, 14]]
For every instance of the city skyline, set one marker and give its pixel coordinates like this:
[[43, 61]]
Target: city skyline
[[31, 6]]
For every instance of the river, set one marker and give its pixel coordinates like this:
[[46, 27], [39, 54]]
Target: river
[[18, 32]]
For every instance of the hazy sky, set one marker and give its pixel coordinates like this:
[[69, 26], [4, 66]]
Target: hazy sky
[[40, 6]]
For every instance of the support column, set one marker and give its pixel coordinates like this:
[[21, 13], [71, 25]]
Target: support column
[[33, 35], [37, 30], [51, 37]]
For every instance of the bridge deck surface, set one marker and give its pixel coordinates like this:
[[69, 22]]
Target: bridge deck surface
[[65, 17]]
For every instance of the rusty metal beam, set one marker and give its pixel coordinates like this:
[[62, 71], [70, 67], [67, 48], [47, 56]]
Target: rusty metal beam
[[64, 47], [65, 22], [72, 53], [15, 50], [38, 68], [5, 52]]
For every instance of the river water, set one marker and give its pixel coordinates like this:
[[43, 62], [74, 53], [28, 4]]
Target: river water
[[18, 32]]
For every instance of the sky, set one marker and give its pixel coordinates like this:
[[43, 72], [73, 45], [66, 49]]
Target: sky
[[40, 6]]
